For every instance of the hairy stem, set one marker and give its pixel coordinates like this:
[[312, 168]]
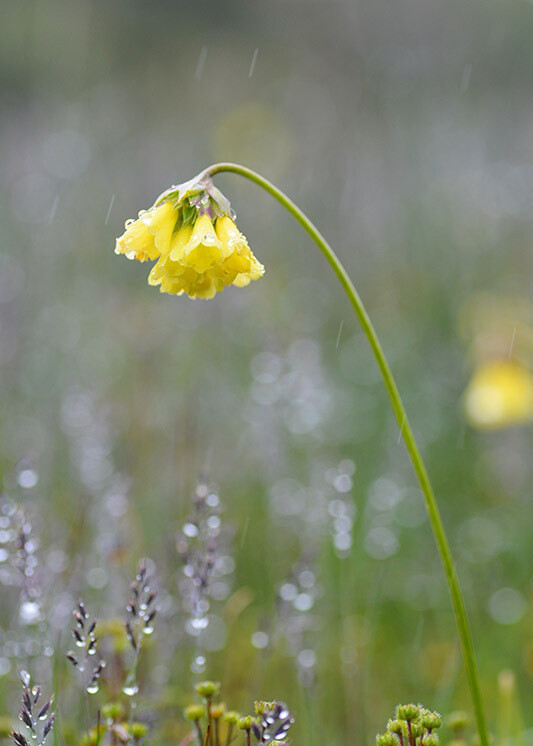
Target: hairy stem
[[406, 432]]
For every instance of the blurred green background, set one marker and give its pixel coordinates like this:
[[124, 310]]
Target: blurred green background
[[405, 130]]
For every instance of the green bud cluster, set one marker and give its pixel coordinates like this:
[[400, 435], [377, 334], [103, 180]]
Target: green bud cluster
[[413, 725], [246, 723], [137, 731], [261, 707], [382, 739], [208, 689], [231, 717], [397, 726], [194, 712], [217, 710], [431, 720], [212, 717], [407, 712]]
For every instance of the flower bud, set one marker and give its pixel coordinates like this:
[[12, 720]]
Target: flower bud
[[246, 723], [407, 712], [138, 730], [386, 739], [431, 720], [231, 717], [397, 727], [416, 728], [217, 710], [208, 689], [261, 707], [194, 712]]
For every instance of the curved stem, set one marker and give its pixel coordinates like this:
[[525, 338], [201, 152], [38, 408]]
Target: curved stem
[[465, 634]]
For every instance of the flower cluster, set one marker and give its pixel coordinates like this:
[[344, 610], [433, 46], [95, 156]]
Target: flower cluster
[[190, 230], [413, 725], [269, 725]]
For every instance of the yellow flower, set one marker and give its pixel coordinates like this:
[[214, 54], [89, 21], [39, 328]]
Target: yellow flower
[[191, 233], [204, 258], [500, 394]]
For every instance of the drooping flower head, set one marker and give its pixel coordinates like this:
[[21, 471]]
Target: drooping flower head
[[191, 232]]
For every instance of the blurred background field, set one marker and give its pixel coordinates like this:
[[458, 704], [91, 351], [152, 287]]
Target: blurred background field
[[405, 130]]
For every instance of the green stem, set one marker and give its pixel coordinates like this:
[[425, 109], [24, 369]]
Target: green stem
[[406, 432]]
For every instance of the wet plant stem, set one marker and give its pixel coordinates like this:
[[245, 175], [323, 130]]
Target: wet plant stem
[[98, 729], [209, 723], [87, 716], [406, 432]]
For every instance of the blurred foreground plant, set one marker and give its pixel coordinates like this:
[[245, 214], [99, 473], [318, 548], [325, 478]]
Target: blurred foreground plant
[[117, 723], [198, 260]]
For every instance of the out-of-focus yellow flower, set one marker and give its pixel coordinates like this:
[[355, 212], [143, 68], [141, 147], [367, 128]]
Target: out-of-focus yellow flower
[[191, 232], [499, 394]]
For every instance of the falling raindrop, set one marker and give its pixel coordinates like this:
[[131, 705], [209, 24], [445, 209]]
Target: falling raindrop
[[252, 64]]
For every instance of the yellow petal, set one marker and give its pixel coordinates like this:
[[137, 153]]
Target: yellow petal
[[160, 222], [203, 233], [178, 243], [230, 236], [136, 242], [203, 249]]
